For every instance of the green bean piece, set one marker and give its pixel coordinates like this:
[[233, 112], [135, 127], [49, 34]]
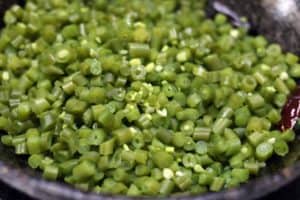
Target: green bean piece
[[75, 106], [120, 175], [138, 141], [63, 55], [96, 95], [217, 184], [164, 135], [184, 55], [255, 101], [97, 137], [205, 178], [107, 147], [23, 111], [51, 172], [291, 84], [264, 151], [183, 81], [279, 100], [106, 118], [281, 148], [281, 86], [149, 186], [141, 35], [138, 50], [70, 31], [242, 116], [234, 145], [157, 173], [253, 167], [141, 156], [34, 161], [21, 149], [47, 121], [220, 125], [33, 141], [288, 135], [226, 112], [188, 160], [241, 174], [256, 138], [188, 114], [133, 191], [142, 170], [178, 139], [40, 105], [167, 187], [255, 124], [132, 112], [162, 159], [274, 116], [202, 133], [67, 166], [248, 84], [294, 71], [138, 72], [83, 171], [213, 62], [183, 181], [6, 140], [123, 135], [260, 78], [103, 163]]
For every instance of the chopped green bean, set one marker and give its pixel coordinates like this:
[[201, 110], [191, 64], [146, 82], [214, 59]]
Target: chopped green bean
[[141, 98]]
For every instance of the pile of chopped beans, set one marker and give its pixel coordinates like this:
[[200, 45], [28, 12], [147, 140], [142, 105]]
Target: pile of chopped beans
[[141, 97]]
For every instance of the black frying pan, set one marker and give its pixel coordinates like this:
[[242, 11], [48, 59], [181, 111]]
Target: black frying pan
[[279, 21]]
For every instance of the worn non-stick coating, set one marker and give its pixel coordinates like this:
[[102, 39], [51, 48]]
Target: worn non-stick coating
[[275, 19]]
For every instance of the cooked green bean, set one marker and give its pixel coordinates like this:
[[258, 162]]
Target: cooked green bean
[[141, 98], [264, 151]]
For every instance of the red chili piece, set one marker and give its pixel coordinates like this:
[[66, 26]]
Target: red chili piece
[[291, 111]]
